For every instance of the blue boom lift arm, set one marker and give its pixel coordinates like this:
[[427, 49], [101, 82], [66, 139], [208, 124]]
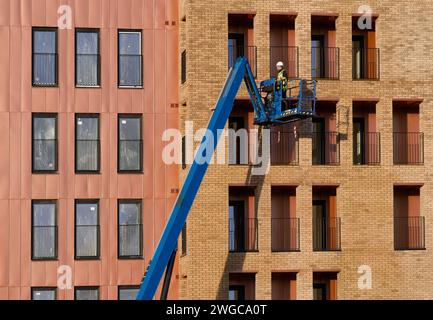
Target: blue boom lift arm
[[268, 111]]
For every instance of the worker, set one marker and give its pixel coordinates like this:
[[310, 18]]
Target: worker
[[282, 77]]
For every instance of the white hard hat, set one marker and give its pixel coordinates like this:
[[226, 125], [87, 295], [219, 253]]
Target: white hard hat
[[280, 64]]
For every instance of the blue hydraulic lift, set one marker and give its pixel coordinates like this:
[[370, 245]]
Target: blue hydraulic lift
[[270, 110]]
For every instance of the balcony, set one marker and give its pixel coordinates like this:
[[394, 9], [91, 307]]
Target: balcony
[[284, 148], [409, 233], [289, 56], [366, 148], [327, 234], [243, 235], [249, 52], [408, 148], [285, 234], [326, 148], [325, 63], [366, 64]]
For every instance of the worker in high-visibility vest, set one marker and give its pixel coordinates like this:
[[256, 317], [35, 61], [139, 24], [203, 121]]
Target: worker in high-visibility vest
[[282, 78]]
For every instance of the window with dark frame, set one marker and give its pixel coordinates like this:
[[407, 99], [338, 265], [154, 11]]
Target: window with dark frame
[[130, 58], [183, 240], [87, 58], [87, 235], [44, 57], [130, 229], [44, 230], [44, 293], [86, 293], [128, 292], [87, 143], [183, 67], [44, 143], [130, 143]]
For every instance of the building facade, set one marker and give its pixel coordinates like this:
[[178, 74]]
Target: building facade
[[344, 212], [86, 91]]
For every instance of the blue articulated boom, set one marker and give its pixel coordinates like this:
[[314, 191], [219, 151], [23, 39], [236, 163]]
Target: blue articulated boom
[[267, 111]]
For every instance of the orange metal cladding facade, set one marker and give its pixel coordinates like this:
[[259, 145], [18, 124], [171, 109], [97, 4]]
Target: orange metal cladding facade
[[156, 101]]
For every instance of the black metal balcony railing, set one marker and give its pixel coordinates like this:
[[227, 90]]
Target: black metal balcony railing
[[44, 155], [284, 148], [44, 242], [87, 241], [289, 56], [285, 234], [325, 63], [87, 70], [366, 148], [409, 233], [250, 52], [408, 147], [45, 66], [327, 234], [130, 70], [366, 63], [130, 240], [326, 148], [87, 155], [243, 235], [130, 155]]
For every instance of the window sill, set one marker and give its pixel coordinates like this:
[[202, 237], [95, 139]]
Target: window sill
[[130, 87], [130, 257], [44, 259], [87, 87]]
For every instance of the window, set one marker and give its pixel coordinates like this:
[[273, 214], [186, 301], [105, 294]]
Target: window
[[183, 234], [183, 67], [130, 143], [44, 230], [86, 293], [44, 136], [86, 229], [130, 229], [87, 144], [130, 61], [237, 293], [44, 57], [87, 62], [128, 292], [44, 294]]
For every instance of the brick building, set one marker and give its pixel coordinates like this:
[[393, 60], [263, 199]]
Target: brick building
[[350, 191]]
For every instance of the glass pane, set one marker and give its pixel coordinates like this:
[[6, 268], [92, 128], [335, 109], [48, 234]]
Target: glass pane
[[86, 241], [128, 293], [44, 294], [130, 155], [130, 70], [44, 41], [86, 294], [44, 128], [44, 240], [44, 57], [44, 214], [87, 143], [87, 42], [129, 240], [130, 43], [129, 213], [86, 214], [130, 129], [87, 58], [44, 155]]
